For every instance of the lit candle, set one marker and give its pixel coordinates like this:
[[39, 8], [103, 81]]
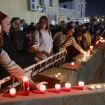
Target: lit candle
[[67, 87], [92, 87], [72, 63], [26, 86], [42, 89], [101, 38], [91, 48], [57, 88], [98, 87], [56, 76], [59, 74], [12, 92], [81, 85]]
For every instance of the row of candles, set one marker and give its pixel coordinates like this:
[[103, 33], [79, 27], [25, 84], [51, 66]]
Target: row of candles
[[57, 86], [42, 88]]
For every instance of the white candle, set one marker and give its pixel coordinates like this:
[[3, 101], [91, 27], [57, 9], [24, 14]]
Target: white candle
[[59, 74], [101, 38], [91, 48], [67, 86], [12, 92], [92, 87], [56, 76], [57, 88], [98, 87], [72, 63], [81, 85], [42, 88]]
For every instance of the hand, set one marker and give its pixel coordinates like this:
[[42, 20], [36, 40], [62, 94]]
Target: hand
[[45, 53], [39, 84], [33, 48]]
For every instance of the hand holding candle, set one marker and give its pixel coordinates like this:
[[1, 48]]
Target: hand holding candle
[[26, 86], [12, 92]]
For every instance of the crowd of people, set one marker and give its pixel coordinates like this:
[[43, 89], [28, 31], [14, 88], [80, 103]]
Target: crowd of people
[[22, 45]]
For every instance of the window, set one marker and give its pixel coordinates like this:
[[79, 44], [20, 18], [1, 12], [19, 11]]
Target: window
[[42, 2], [79, 7], [51, 3], [65, 6]]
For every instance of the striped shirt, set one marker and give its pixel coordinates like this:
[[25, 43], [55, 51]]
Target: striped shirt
[[59, 41]]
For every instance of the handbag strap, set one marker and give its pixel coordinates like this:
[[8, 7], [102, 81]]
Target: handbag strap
[[64, 41]]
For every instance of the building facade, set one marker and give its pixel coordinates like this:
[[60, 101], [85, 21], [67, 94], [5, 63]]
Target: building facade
[[31, 10], [72, 10]]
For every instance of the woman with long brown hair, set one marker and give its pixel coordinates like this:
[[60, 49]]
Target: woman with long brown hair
[[43, 39]]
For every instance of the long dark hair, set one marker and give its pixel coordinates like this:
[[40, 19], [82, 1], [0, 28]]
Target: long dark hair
[[46, 19], [68, 27], [1, 36]]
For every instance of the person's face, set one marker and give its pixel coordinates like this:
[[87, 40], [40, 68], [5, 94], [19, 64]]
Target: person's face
[[17, 25], [43, 24], [94, 22], [6, 25], [85, 34], [70, 32], [79, 38], [63, 24]]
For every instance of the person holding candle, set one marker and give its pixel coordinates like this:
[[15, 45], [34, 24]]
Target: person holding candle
[[9, 65], [62, 40]]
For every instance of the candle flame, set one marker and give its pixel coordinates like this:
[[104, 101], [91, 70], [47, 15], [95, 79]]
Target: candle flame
[[25, 78]]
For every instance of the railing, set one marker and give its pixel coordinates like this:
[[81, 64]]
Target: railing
[[52, 61]]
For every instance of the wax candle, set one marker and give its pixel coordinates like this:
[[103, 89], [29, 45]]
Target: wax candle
[[12, 92], [81, 85], [91, 48], [92, 87], [57, 88], [67, 87], [72, 63], [42, 89], [59, 74], [26, 86], [98, 87], [101, 38], [56, 76]]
